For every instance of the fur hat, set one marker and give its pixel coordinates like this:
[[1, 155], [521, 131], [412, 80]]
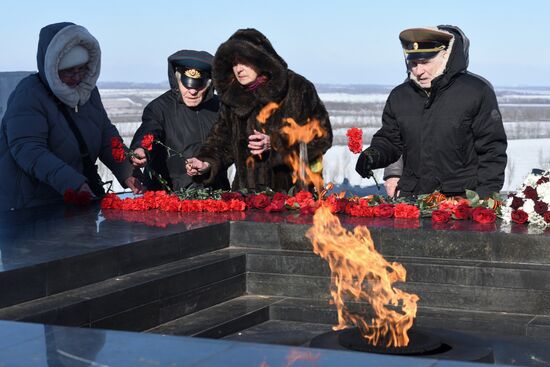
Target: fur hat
[[77, 55]]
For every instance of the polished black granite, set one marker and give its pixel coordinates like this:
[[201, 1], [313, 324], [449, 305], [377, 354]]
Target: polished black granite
[[35, 345], [34, 236], [56, 248], [248, 276]]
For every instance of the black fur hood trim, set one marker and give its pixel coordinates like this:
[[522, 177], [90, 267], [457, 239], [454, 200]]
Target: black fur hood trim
[[250, 46]]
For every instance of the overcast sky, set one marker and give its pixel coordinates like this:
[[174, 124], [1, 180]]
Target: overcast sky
[[326, 41]]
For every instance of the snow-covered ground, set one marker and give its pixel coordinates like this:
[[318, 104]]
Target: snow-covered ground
[[523, 155], [354, 98]]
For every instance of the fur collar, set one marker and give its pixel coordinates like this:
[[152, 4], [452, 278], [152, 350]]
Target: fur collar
[[443, 66], [254, 48], [59, 45]]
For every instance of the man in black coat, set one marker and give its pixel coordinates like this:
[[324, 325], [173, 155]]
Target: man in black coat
[[443, 120], [181, 119]]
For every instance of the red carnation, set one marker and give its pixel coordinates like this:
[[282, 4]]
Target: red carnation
[[117, 148], [462, 211], [309, 209], [69, 197], [355, 140], [406, 211], [519, 216], [227, 196], [542, 180], [483, 215], [336, 204], [116, 142], [441, 216], [277, 203], [384, 210], [259, 201], [147, 142], [83, 198], [547, 217]]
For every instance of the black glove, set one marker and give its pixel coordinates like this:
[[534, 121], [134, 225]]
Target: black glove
[[366, 162]]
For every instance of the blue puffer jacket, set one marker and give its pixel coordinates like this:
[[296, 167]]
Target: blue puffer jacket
[[39, 154]]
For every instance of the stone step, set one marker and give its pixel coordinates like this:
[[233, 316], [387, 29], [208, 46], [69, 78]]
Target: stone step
[[425, 270], [60, 266], [143, 299], [320, 312], [282, 332], [220, 320], [431, 294], [467, 245]]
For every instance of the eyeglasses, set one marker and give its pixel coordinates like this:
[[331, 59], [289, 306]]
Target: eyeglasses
[[77, 71]]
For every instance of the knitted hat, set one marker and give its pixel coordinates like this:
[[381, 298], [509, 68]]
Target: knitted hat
[[77, 55]]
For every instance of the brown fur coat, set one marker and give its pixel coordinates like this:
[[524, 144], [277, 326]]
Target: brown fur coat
[[296, 97]]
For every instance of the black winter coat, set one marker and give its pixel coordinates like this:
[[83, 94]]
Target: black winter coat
[[451, 139], [297, 99], [181, 128]]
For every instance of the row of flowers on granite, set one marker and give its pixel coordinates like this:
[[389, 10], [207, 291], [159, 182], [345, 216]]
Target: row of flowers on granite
[[529, 205], [440, 208]]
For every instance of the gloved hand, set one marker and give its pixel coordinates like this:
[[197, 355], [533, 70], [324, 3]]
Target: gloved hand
[[366, 162]]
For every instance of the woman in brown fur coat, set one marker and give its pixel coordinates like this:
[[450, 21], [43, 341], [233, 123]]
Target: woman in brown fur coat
[[261, 99]]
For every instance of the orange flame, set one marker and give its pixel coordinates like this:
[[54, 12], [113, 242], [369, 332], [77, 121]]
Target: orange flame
[[266, 112], [302, 133], [262, 117], [250, 162], [353, 260], [296, 355], [310, 177]]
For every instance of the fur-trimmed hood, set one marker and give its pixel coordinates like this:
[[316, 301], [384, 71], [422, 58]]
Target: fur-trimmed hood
[[252, 47], [54, 42], [457, 57]]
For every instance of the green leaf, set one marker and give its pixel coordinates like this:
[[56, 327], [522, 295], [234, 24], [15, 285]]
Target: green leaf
[[472, 195], [292, 190]]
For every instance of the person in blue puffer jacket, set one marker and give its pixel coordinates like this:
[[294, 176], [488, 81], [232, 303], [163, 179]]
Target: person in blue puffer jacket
[[41, 156]]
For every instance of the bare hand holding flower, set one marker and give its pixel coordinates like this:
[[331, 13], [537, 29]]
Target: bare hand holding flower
[[259, 143], [139, 159], [195, 166]]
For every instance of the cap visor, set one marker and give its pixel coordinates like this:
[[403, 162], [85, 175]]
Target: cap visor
[[191, 83], [421, 56]]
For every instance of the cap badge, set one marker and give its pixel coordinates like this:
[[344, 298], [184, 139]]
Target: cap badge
[[415, 46], [192, 73]]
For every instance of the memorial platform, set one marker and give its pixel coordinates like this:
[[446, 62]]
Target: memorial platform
[[76, 275]]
